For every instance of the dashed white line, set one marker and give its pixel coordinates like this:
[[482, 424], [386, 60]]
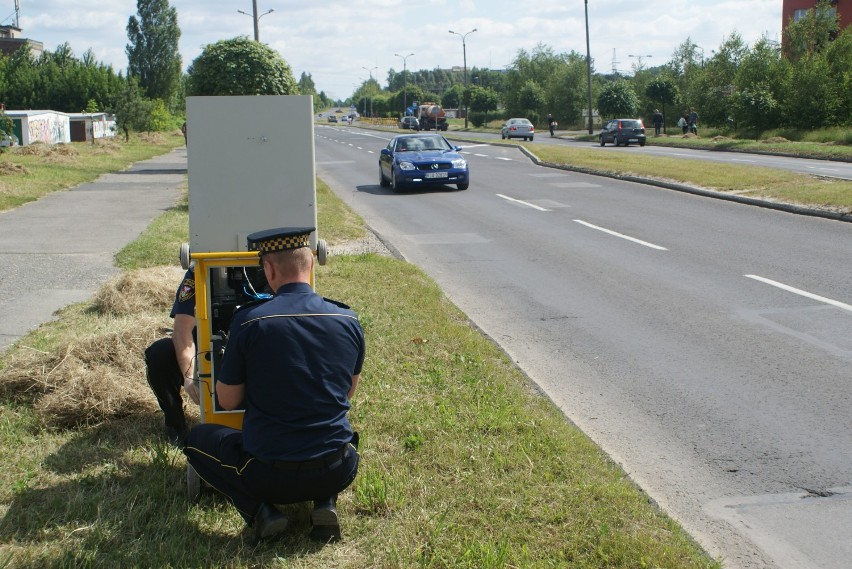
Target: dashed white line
[[481, 155], [522, 202], [502, 158], [800, 292], [621, 235]]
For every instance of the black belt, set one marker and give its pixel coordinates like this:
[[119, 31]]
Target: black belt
[[331, 461]]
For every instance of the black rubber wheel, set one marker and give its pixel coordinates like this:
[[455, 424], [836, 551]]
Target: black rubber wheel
[[602, 141], [395, 185], [463, 186], [383, 182]]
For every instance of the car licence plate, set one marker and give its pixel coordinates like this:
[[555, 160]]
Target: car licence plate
[[633, 140], [435, 175]]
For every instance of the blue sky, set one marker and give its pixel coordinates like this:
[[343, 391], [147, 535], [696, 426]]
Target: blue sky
[[342, 43]]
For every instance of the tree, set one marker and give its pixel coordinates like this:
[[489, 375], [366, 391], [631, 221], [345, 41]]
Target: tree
[[481, 101], [662, 90], [132, 111], [240, 66], [755, 107], [618, 99], [152, 54], [531, 99], [453, 97], [813, 33]]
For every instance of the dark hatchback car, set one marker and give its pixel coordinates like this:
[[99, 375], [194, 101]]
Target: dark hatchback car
[[623, 131], [412, 160], [409, 122]]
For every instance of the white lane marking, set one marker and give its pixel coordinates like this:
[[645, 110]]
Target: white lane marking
[[481, 155], [616, 234], [741, 160], [522, 202], [800, 292], [502, 158], [826, 169]]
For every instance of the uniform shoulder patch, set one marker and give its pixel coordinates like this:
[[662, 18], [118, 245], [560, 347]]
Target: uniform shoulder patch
[[187, 290], [337, 303]]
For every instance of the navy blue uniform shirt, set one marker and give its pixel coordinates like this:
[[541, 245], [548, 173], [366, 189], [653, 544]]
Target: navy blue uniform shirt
[[296, 354]]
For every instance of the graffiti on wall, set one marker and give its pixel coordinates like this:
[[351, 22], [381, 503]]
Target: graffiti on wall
[[49, 128]]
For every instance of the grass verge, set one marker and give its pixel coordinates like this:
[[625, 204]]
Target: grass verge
[[464, 464], [751, 181], [30, 172]]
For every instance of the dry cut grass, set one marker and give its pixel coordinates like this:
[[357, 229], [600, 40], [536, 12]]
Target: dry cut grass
[[91, 378]]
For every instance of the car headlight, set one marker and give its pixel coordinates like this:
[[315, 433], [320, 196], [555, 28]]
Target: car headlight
[[406, 166], [460, 163]]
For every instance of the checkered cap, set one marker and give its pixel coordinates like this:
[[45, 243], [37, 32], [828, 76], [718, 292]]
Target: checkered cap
[[279, 239]]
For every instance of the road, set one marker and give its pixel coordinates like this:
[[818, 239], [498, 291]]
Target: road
[[827, 168], [704, 345]]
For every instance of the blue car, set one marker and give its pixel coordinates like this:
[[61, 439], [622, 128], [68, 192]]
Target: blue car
[[412, 160]]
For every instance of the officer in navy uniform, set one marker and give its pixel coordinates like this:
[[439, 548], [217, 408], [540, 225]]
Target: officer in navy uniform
[[293, 363], [169, 362]]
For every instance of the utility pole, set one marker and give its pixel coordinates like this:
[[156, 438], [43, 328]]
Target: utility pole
[[589, 68]]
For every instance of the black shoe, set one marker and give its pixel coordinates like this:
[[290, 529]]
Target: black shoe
[[326, 525], [177, 437], [268, 522]]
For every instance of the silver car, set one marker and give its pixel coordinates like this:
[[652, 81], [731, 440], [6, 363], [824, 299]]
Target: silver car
[[517, 128]]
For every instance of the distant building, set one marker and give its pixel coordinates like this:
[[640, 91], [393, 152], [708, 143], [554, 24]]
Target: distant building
[[11, 41], [796, 9]]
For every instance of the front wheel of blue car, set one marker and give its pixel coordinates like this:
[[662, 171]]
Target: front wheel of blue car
[[463, 186], [383, 182], [396, 185]]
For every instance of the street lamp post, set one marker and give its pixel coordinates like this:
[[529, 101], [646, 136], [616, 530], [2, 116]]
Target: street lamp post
[[404, 82], [464, 55], [639, 60], [370, 71], [256, 18], [589, 68]]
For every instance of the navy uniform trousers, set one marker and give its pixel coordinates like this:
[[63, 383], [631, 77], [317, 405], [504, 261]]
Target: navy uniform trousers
[[216, 453], [166, 380]]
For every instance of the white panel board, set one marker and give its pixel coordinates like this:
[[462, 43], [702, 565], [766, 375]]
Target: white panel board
[[251, 167]]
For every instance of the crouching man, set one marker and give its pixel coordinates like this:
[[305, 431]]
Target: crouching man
[[293, 363]]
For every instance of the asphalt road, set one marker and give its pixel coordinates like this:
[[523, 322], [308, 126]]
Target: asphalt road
[[705, 345], [827, 168]]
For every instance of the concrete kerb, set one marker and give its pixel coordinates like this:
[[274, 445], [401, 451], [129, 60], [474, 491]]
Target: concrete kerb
[[789, 208]]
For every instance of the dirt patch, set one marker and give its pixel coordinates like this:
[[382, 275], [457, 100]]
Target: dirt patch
[[721, 139], [152, 137], [774, 140], [34, 149], [12, 169]]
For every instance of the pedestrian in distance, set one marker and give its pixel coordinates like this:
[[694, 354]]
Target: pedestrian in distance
[[183, 130], [551, 124], [683, 122], [658, 121], [170, 362], [293, 362], [692, 120]]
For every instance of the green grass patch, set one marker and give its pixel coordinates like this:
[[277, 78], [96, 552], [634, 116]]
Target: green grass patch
[[751, 181], [464, 464], [29, 172]]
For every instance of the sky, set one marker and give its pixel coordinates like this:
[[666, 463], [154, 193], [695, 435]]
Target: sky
[[343, 43]]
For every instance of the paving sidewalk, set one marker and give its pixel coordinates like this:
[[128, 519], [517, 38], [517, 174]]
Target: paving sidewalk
[[60, 249]]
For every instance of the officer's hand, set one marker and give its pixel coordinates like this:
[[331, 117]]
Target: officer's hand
[[191, 389]]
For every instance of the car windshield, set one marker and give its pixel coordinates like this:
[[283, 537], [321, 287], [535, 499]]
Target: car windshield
[[421, 143], [631, 124]]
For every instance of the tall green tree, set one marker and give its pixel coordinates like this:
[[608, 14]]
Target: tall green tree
[[662, 90], [152, 53], [618, 99], [240, 66]]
